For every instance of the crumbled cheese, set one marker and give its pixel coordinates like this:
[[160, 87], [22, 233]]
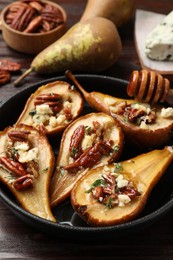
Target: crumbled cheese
[[52, 121], [166, 112], [43, 109], [123, 199], [61, 119], [88, 141], [109, 101], [40, 119], [159, 43], [26, 156], [106, 168], [170, 149], [23, 146], [145, 107], [114, 109], [143, 125], [120, 177], [141, 187], [122, 183], [67, 104]]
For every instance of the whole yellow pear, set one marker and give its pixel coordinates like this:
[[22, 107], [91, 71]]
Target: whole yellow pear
[[92, 45]]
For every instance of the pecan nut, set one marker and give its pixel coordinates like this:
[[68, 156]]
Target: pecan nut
[[4, 77], [33, 16], [18, 135], [13, 166], [7, 65], [76, 140], [33, 25], [53, 100], [91, 156], [23, 182]]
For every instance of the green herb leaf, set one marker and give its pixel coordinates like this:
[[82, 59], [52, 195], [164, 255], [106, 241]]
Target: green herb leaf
[[116, 148], [45, 169], [33, 112], [118, 167], [99, 182], [87, 130], [109, 203], [74, 151]]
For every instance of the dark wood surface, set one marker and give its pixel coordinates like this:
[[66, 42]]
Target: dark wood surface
[[19, 241]]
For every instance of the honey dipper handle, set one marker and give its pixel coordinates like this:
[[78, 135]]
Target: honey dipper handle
[[149, 87]]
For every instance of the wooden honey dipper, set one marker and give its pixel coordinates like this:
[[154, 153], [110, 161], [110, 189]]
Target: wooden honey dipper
[[149, 86]]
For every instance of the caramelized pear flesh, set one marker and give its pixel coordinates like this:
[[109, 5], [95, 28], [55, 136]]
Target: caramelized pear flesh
[[91, 140], [134, 181], [52, 107], [26, 166], [144, 125]]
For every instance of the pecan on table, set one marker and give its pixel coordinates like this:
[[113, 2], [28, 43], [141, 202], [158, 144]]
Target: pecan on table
[[4, 76], [10, 66]]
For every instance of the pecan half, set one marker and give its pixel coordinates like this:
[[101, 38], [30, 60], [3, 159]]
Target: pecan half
[[10, 66], [68, 113], [91, 156], [18, 135], [23, 182], [36, 5], [33, 25], [4, 77], [53, 100], [13, 166], [76, 140], [33, 16]]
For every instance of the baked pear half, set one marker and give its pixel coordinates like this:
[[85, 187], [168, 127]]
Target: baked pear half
[[26, 165], [52, 107], [117, 193], [145, 125], [90, 141]]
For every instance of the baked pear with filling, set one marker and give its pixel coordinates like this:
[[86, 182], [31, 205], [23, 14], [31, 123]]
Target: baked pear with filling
[[117, 193], [52, 107], [26, 166], [145, 125], [90, 141]]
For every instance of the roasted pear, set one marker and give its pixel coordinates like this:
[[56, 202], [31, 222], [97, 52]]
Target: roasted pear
[[26, 166], [145, 125], [52, 107], [118, 11], [92, 45], [91, 140], [117, 193]]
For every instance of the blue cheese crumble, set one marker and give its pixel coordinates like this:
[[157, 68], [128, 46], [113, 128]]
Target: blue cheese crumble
[[159, 43]]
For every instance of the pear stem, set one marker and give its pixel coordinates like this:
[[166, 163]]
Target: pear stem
[[69, 74], [19, 79]]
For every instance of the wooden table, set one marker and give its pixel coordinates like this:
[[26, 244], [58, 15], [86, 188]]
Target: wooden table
[[19, 241]]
